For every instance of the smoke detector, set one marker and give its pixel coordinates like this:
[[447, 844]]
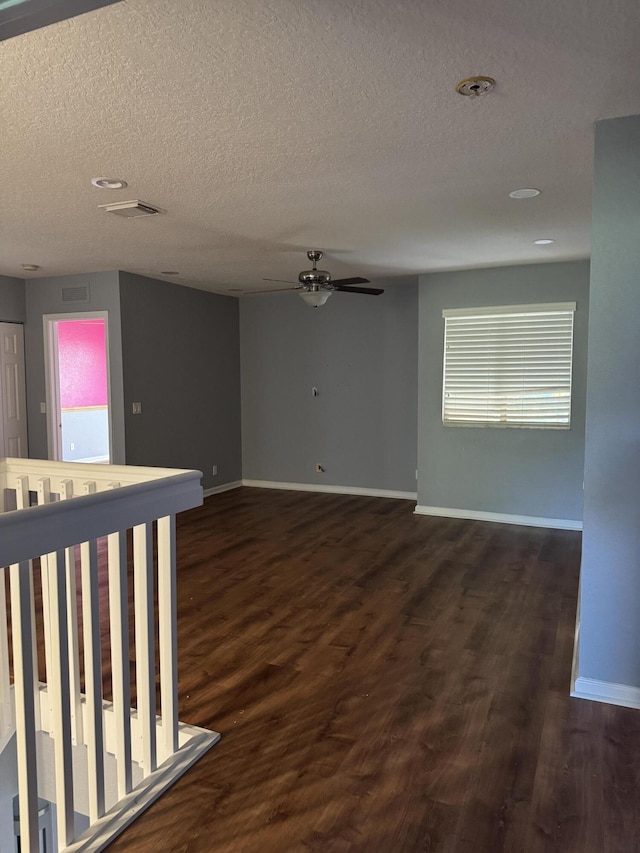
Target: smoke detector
[[474, 86], [131, 209]]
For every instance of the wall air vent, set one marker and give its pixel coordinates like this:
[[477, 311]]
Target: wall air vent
[[131, 209], [80, 293]]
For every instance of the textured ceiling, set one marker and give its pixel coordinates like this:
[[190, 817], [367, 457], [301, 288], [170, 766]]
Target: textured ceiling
[[266, 128]]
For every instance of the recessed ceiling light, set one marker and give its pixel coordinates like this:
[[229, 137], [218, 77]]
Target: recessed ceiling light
[[526, 192], [30, 267], [109, 183], [544, 241], [169, 272]]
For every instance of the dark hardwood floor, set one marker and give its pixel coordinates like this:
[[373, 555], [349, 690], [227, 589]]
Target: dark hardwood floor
[[385, 682]]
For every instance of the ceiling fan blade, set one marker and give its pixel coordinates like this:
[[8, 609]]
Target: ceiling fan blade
[[355, 280], [372, 291], [282, 280], [273, 290]]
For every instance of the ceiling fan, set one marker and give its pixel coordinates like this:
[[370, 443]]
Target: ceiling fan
[[316, 286]]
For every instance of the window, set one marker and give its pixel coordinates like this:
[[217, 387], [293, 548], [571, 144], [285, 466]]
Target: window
[[508, 366]]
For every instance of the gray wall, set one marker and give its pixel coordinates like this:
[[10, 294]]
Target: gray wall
[[610, 581], [44, 296], [528, 472], [181, 357], [12, 300], [361, 354]]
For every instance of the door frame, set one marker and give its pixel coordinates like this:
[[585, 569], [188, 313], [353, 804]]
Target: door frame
[[52, 377]]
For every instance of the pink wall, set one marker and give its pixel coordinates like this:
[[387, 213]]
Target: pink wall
[[82, 357]]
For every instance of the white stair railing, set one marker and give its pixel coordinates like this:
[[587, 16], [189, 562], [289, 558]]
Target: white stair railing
[[51, 534]]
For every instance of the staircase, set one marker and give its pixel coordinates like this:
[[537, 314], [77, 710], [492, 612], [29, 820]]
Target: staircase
[[73, 540]]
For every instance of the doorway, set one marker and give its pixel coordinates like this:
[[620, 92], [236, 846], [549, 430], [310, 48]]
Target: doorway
[[78, 396]]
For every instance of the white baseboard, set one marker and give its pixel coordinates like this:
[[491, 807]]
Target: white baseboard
[[599, 691], [225, 487], [332, 490], [606, 691], [502, 518]]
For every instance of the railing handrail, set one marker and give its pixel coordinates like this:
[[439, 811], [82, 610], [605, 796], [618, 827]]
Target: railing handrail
[[97, 471], [28, 533], [75, 504]]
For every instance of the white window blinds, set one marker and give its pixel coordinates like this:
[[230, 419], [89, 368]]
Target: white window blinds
[[508, 366]]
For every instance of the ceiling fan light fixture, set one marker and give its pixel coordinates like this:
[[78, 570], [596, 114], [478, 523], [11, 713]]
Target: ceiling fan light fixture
[[315, 298], [316, 286]]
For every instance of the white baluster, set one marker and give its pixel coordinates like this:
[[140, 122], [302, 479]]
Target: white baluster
[[145, 643], [94, 733], [22, 491], [60, 689], [119, 628], [167, 617], [66, 492], [22, 502], [21, 610], [43, 489]]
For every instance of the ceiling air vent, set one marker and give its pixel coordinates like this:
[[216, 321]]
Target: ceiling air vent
[[80, 293], [131, 209]]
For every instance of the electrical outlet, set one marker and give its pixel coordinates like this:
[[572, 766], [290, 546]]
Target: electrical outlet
[[136, 408], [319, 468], [214, 470]]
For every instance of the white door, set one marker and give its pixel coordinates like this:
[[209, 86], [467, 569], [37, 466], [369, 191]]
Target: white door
[[13, 423]]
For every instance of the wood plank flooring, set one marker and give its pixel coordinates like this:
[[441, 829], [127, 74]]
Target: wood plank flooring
[[385, 682]]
